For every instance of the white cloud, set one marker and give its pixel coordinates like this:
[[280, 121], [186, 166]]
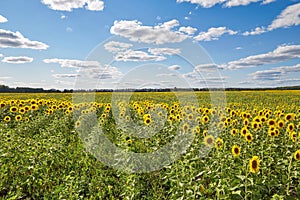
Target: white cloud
[[210, 67], [275, 73], [267, 2], [17, 60], [188, 30], [213, 34], [164, 51], [174, 67], [137, 56], [64, 75], [62, 16], [288, 17], [226, 3], [95, 5], [280, 54], [106, 72], [69, 5], [87, 69], [160, 34], [9, 39], [256, 31], [73, 63], [114, 46], [1, 55], [3, 19], [239, 48]]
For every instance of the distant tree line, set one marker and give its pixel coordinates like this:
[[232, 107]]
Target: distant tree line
[[6, 89]]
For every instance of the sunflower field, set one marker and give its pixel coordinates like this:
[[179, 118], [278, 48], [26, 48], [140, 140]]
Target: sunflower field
[[248, 149]]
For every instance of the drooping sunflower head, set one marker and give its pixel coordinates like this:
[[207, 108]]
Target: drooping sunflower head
[[254, 164]]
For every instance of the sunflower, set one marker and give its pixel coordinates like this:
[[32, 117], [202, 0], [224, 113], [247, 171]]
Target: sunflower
[[249, 137], [271, 122], [77, 124], [290, 127], [236, 150], [297, 155], [18, 117], [26, 119], [280, 124], [244, 131], [34, 107], [219, 143], [204, 133], [7, 118], [185, 128], [209, 140], [289, 116], [147, 121], [256, 125], [234, 132], [205, 119], [293, 136], [246, 122], [254, 164], [13, 109]]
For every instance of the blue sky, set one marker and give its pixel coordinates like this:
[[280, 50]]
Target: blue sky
[[158, 43]]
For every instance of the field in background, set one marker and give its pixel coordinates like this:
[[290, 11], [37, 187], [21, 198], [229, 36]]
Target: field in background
[[253, 144]]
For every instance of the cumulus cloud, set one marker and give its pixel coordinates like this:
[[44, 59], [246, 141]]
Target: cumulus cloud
[[87, 69], [1, 55], [137, 56], [69, 5], [73, 63], [210, 67], [188, 30], [275, 73], [137, 32], [214, 34], [114, 46], [9, 39], [226, 3], [174, 67], [17, 60], [256, 31], [164, 51], [3, 19], [290, 16], [280, 54]]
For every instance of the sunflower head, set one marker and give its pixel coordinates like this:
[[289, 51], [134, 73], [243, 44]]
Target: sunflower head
[[249, 137], [297, 155], [236, 150], [219, 143], [254, 164], [209, 140]]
